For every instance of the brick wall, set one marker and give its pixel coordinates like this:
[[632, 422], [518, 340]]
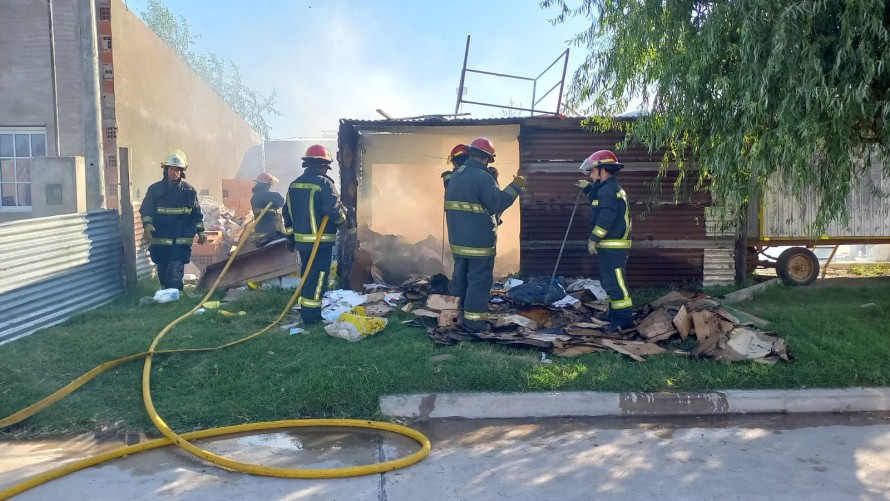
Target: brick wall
[[236, 195]]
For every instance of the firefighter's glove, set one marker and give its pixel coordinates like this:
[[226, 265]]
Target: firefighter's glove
[[520, 182], [591, 247], [291, 246], [147, 232], [202, 238], [582, 183]]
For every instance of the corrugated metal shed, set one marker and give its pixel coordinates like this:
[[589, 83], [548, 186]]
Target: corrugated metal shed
[[54, 267], [670, 240]]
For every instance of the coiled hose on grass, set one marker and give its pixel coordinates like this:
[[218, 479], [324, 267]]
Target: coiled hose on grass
[[183, 441]]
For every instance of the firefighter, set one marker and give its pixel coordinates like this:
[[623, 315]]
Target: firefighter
[[309, 198], [262, 195], [171, 216], [471, 200], [456, 158], [610, 237]]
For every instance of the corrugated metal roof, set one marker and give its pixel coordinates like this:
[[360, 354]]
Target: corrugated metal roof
[[55, 267]]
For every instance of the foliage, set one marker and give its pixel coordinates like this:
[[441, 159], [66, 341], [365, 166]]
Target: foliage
[[744, 93], [223, 76]]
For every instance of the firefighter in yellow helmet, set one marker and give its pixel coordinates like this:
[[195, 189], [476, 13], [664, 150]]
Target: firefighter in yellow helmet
[[171, 217]]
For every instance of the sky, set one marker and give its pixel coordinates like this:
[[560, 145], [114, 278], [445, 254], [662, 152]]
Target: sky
[[333, 59]]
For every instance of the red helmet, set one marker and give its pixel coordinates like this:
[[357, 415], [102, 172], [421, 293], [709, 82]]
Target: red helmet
[[267, 178], [484, 145], [318, 152], [458, 151], [602, 158]]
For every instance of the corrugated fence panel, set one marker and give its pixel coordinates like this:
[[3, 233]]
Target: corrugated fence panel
[[54, 267], [786, 217], [144, 266]]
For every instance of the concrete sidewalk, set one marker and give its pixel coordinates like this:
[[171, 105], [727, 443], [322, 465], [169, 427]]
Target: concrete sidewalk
[[717, 457], [592, 404]]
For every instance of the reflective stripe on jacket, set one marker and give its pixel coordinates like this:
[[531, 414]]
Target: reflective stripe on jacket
[[309, 198], [609, 215], [174, 211], [262, 195], [471, 199]]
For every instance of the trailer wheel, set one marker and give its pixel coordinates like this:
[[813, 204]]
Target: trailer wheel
[[798, 266]]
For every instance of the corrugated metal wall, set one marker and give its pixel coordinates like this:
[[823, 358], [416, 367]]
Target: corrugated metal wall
[[783, 216], [144, 266], [54, 267], [669, 242]]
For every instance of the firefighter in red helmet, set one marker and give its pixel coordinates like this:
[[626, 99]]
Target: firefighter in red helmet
[[309, 198], [456, 158], [610, 238], [472, 198]]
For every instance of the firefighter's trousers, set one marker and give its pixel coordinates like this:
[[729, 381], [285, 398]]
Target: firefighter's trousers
[[316, 282], [472, 281], [613, 263], [170, 260]]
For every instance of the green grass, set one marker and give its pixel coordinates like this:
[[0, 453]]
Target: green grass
[[836, 342]]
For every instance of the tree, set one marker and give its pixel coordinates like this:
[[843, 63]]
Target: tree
[[223, 76], [744, 93]]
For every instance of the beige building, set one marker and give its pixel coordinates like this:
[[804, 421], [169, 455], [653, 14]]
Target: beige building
[[81, 78]]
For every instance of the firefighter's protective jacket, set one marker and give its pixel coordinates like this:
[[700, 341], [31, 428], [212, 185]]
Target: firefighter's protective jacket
[[310, 198], [262, 195], [609, 215], [174, 211], [471, 199]]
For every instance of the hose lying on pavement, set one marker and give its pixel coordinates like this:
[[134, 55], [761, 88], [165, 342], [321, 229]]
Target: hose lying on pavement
[[182, 441]]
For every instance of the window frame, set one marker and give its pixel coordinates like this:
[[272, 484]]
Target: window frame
[[29, 131]]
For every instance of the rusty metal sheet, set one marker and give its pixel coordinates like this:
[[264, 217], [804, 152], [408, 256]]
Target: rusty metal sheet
[[257, 265], [644, 266]]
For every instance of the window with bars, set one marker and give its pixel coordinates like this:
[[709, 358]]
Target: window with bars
[[110, 132], [111, 190], [105, 13], [17, 148], [111, 161], [106, 42]]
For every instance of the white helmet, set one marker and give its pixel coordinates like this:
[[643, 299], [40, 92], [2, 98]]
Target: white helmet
[[175, 159]]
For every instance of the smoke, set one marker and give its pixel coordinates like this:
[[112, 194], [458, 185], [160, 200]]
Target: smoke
[[401, 194]]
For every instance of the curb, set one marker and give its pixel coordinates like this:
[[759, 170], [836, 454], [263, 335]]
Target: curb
[[592, 404]]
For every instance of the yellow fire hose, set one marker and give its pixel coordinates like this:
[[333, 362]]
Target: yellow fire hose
[[171, 437]]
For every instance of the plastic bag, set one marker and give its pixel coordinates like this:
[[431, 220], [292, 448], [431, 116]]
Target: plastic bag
[[354, 325], [166, 295]]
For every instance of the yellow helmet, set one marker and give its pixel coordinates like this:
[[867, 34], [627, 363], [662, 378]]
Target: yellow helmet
[[176, 159]]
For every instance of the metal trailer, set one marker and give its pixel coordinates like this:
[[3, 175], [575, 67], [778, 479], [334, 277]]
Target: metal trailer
[[779, 219]]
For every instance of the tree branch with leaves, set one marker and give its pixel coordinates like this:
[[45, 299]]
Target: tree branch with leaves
[[222, 75], [744, 93]]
